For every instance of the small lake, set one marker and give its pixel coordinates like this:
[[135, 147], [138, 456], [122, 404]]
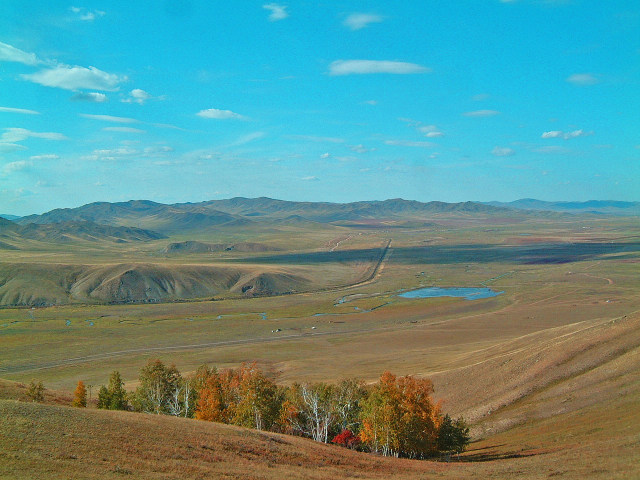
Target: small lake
[[468, 293]]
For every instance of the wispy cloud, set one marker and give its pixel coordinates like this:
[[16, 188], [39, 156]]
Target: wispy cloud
[[408, 143], [430, 131], [123, 130], [50, 156], [503, 151], [565, 135], [357, 21], [9, 53], [360, 67], [249, 137], [90, 97], [75, 78], [583, 79], [360, 148], [16, 166], [139, 96], [109, 118], [481, 113], [310, 178], [278, 12], [11, 147], [19, 110], [313, 138], [86, 15], [219, 114], [12, 135]]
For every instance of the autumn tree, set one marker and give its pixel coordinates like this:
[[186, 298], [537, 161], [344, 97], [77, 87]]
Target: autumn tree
[[399, 417], [80, 395], [35, 392], [214, 400], [256, 399]]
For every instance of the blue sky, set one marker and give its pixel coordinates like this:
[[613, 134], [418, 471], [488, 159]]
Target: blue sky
[[189, 100]]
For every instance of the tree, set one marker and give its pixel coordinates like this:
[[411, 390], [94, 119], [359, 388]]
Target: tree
[[349, 394], [113, 397], [35, 392], [453, 436], [399, 418], [80, 395], [257, 399], [311, 410], [160, 389], [347, 439]]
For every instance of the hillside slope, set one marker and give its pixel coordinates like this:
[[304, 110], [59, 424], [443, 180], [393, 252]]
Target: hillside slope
[[32, 284]]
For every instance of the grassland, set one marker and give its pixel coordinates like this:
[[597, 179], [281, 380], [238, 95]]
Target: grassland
[[547, 372]]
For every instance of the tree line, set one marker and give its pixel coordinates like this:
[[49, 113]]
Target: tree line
[[396, 416]]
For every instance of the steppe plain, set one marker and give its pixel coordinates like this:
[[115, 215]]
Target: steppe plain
[[547, 373]]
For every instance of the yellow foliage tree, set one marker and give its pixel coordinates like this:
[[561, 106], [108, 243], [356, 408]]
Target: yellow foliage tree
[[80, 395]]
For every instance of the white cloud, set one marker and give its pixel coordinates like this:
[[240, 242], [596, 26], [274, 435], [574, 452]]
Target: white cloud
[[370, 102], [407, 143], [138, 96], [577, 133], [11, 147], [249, 137], [312, 138], [219, 114], [552, 134], [9, 53], [16, 166], [278, 12], [481, 113], [19, 134], [480, 97], [357, 21], [112, 153], [358, 67], [311, 178], [430, 131], [325, 156], [50, 156], [19, 110], [123, 130], [360, 148], [582, 79], [109, 118], [75, 78], [566, 135], [503, 151], [87, 15], [90, 97]]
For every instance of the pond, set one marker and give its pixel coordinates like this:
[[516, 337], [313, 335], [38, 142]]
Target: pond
[[468, 293]]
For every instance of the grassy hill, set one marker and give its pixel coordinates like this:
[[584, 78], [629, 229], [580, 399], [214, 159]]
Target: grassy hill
[[576, 415]]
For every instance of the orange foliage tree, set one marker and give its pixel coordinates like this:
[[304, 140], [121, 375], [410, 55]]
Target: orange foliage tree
[[80, 395], [399, 418]]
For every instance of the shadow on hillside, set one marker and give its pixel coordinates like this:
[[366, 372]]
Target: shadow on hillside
[[553, 253], [488, 454]]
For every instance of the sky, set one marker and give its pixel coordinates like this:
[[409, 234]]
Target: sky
[[193, 100]]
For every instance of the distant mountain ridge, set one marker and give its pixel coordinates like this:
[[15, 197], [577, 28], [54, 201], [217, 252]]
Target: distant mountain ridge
[[240, 211], [602, 207]]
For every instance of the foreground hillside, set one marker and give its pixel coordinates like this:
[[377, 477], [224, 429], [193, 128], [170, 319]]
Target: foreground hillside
[[574, 413]]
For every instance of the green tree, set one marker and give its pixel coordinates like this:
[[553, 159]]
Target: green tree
[[35, 392], [113, 397], [453, 436], [160, 389]]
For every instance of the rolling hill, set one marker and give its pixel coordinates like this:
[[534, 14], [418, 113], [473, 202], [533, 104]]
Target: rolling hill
[[600, 207], [70, 231]]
